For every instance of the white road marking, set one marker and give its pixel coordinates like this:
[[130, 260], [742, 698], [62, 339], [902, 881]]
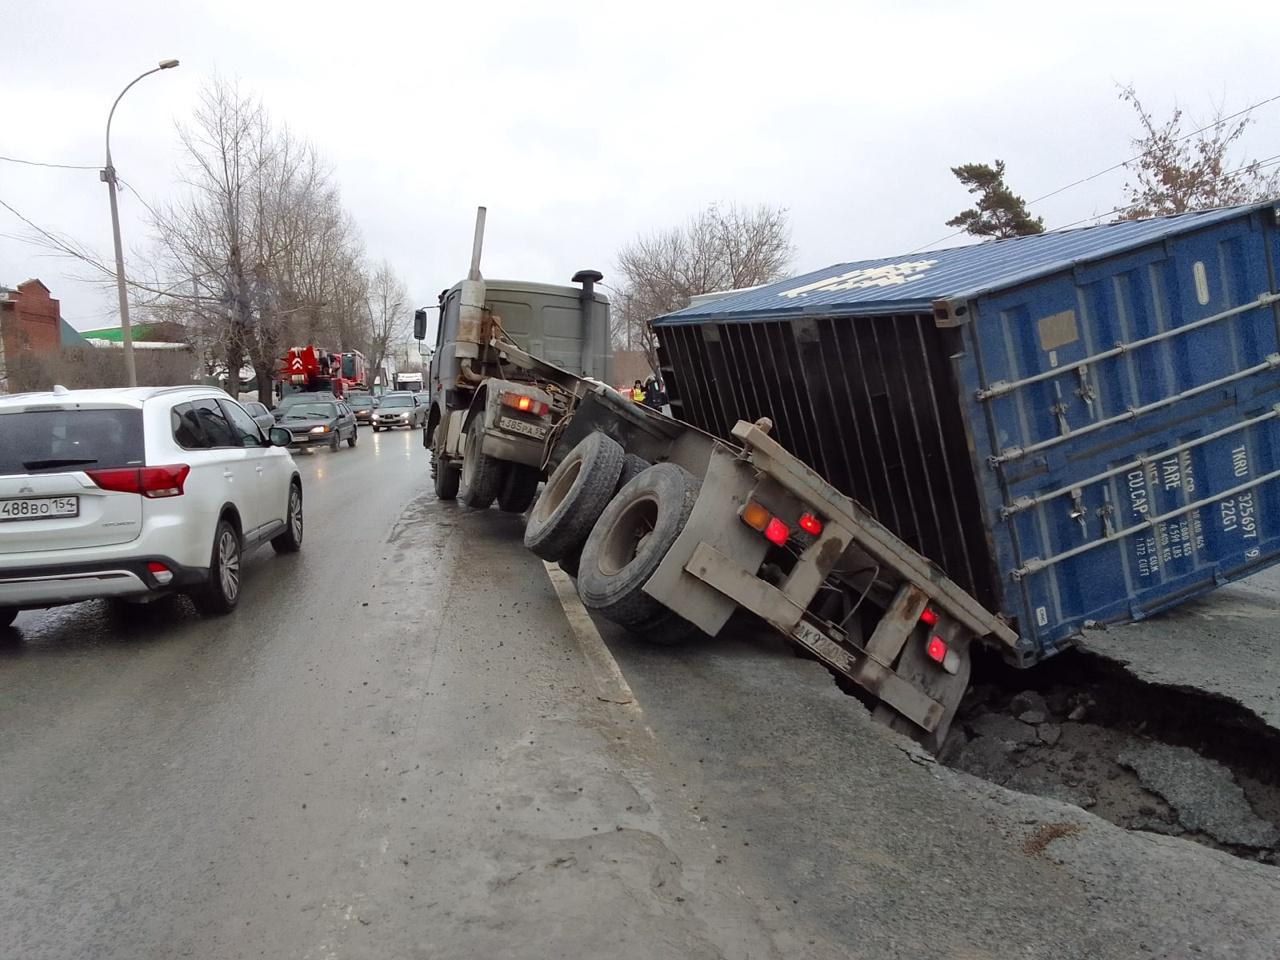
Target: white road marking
[[611, 685]]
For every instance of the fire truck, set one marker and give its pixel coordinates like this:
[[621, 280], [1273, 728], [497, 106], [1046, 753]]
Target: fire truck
[[313, 369]]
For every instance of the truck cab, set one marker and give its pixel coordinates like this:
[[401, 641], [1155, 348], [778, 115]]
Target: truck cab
[[490, 409]]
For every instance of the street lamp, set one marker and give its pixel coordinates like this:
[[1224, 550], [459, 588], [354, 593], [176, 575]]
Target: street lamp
[[108, 176]]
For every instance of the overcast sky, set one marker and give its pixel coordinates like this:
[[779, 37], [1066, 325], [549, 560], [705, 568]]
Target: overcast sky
[[581, 125]]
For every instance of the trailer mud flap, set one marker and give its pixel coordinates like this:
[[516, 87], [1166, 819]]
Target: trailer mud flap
[[717, 570]]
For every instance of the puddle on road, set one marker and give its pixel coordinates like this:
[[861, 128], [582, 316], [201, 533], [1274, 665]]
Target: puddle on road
[[1145, 757]]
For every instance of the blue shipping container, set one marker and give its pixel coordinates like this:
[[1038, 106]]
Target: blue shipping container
[[1078, 426]]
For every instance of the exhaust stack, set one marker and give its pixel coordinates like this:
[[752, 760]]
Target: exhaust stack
[[472, 329]]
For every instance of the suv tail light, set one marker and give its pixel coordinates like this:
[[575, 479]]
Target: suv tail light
[[151, 482]]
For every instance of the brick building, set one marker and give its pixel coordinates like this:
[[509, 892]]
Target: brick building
[[31, 320]]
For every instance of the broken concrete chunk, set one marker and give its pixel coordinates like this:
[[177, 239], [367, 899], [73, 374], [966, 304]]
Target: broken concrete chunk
[[1033, 717], [1203, 794], [1028, 701], [1003, 727], [1049, 733], [1078, 712]]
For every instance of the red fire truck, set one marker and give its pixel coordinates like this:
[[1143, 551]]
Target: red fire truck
[[313, 369]]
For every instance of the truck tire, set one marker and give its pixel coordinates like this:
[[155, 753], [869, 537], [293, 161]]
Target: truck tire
[[573, 497], [482, 475], [633, 534], [519, 489], [632, 467], [445, 476]]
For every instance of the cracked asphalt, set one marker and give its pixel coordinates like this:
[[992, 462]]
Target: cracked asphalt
[[399, 747]]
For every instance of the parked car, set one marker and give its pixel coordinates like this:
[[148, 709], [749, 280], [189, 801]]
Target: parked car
[[363, 405], [263, 417], [402, 409], [320, 422], [132, 493]]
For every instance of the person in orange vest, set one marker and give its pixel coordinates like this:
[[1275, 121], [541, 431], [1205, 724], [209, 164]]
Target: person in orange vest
[[637, 393]]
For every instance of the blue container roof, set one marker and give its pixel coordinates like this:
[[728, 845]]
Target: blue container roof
[[910, 283]]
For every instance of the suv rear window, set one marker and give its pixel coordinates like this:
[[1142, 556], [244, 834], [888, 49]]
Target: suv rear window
[[41, 441]]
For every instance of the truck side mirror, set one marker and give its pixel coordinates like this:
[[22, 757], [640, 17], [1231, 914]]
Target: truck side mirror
[[419, 324]]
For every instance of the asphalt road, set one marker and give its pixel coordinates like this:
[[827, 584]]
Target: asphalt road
[[405, 744]]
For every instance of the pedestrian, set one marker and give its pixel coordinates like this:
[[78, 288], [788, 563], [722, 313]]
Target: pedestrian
[[652, 394], [637, 392]]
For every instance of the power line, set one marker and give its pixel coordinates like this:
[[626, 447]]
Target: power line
[[56, 166], [1252, 165], [1111, 169]]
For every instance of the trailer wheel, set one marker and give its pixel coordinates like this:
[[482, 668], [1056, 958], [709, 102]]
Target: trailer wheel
[[632, 467], [573, 497], [482, 475], [519, 489], [628, 542], [445, 476]]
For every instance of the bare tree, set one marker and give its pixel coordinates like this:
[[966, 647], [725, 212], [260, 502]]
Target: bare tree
[[720, 248], [260, 246], [388, 312], [1176, 172]]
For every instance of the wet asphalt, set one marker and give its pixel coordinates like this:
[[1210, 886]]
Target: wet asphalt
[[396, 747]]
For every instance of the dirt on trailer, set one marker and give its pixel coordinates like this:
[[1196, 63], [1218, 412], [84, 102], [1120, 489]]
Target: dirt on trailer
[[1162, 759]]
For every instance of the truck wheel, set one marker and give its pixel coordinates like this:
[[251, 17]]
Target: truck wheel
[[482, 475], [573, 497], [446, 476], [632, 467], [628, 542], [519, 489]]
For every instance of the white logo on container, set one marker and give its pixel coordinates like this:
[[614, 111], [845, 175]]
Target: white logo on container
[[890, 275]]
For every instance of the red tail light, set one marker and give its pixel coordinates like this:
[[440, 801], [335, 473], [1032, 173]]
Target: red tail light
[[518, 401], [777, 532], [810, 524], [162, 573], [928, 617], [151, 482], [936, 649]]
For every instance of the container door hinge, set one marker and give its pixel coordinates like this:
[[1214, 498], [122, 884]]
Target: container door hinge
[[1078, 511], [1085, 391], [1105, 513]]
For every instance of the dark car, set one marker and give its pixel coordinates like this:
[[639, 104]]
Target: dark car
[[400, 410], [319, 422], [291, 399], [363, 405]]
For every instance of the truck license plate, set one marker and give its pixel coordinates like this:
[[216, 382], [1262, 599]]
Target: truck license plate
[[519, 426], [39, 508]]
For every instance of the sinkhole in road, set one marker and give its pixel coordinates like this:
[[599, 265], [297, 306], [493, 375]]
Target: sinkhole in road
[[1169, 760]]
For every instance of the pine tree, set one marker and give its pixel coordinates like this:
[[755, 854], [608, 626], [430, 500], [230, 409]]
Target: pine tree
[[1000, 212]]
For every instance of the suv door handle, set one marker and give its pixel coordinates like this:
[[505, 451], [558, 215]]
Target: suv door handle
[[258, 468], [228, 474]]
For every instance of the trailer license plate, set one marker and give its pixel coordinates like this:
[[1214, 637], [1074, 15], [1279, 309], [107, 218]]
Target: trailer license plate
[[39, 508], [535, 430]]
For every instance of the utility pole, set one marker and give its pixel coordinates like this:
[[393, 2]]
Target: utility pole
[[108, 176]]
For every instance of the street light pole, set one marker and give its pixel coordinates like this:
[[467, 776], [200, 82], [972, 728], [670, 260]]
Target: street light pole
[[108, 176]]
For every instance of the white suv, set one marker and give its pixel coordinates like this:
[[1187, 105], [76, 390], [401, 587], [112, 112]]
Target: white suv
[[130, 493]]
